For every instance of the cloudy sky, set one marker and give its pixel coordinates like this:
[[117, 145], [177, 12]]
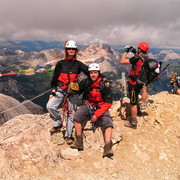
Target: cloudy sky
[[87, 21]]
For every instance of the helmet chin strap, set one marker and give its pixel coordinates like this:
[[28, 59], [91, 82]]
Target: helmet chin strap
[[140, 51]]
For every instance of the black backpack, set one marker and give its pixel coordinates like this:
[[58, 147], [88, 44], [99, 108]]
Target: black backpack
[[147, 73]]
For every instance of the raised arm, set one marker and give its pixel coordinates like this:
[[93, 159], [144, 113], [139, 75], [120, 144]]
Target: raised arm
[[124, 60]]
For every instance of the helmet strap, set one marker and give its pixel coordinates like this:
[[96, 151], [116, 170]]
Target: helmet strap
[[141, 51]]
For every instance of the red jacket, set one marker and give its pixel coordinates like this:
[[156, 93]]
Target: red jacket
[[136, 62], [99, 94]]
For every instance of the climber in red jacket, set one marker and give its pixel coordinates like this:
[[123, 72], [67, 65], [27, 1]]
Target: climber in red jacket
[[97, 99]]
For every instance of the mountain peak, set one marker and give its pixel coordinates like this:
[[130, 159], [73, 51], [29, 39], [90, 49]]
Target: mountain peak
[[7, 52], [149, 152], [101, 48]]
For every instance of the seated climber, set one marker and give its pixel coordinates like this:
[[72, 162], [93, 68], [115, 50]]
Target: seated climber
[[175, 82], [97, 99]]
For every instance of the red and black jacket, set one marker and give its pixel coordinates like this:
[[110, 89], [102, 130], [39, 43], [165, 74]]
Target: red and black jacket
[[66, 71], [99, 94], [136, 62]]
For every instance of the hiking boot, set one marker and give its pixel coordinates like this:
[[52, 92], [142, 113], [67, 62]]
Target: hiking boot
[[140, 113], [78, 144], [108, 150], [131, 124], [69, 140], [134, 123], [142, 106], [55, 129]]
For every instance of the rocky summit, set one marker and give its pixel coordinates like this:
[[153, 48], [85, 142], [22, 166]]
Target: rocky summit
[[29, 151]]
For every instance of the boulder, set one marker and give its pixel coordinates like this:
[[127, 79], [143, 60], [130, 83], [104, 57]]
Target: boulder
[[10, 108]]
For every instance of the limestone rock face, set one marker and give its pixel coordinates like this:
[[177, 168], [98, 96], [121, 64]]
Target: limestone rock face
[[101, 54], [28, 146], [29, 151], [10, 108], [6, 108], [10, 87], [32, 107]]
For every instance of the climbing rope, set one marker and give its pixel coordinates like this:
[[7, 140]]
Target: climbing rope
[[133, 97], [25, 102], [65, 110]]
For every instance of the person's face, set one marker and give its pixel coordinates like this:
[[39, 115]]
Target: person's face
[[138, 51], [94, 75], [71, 51]]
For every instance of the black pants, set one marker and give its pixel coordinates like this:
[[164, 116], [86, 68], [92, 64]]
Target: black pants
[[133, 92]]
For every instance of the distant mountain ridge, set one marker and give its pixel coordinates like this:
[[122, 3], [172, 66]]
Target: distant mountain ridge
[[39, 45], [104, 55], [28, 46]]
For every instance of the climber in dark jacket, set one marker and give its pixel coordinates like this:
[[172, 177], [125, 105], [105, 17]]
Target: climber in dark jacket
[[97, 99], [66, 71], [133, 87]]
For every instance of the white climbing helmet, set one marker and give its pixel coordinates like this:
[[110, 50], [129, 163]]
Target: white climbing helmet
[[71, 44], [94, 67]]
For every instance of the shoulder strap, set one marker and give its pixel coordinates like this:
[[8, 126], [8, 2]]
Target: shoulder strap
[[144, 58], [104, 83]]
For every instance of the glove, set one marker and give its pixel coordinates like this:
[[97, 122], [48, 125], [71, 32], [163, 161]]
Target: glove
[[53, 93], [132, 49], [126, 48]]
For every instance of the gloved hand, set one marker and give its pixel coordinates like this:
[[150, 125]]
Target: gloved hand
[[126, 48], [53, 93], [132, 49]]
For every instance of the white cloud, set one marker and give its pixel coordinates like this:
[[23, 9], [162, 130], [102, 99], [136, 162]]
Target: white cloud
[[115, 21]]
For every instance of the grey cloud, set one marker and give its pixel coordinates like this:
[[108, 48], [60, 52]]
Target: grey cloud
[[115, 21]]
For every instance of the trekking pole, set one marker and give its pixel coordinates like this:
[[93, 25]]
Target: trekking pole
[[162, 71], [124, 92], [124, 89]]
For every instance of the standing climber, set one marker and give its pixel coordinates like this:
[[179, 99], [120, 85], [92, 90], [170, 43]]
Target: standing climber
[[97, 99], [175, 82], [133, 87], [65, 76]]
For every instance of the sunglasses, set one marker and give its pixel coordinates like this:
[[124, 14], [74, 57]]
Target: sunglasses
[[74, 49]]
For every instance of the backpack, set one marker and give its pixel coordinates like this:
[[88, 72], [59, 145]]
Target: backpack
[[150, 69], [173, 78]]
